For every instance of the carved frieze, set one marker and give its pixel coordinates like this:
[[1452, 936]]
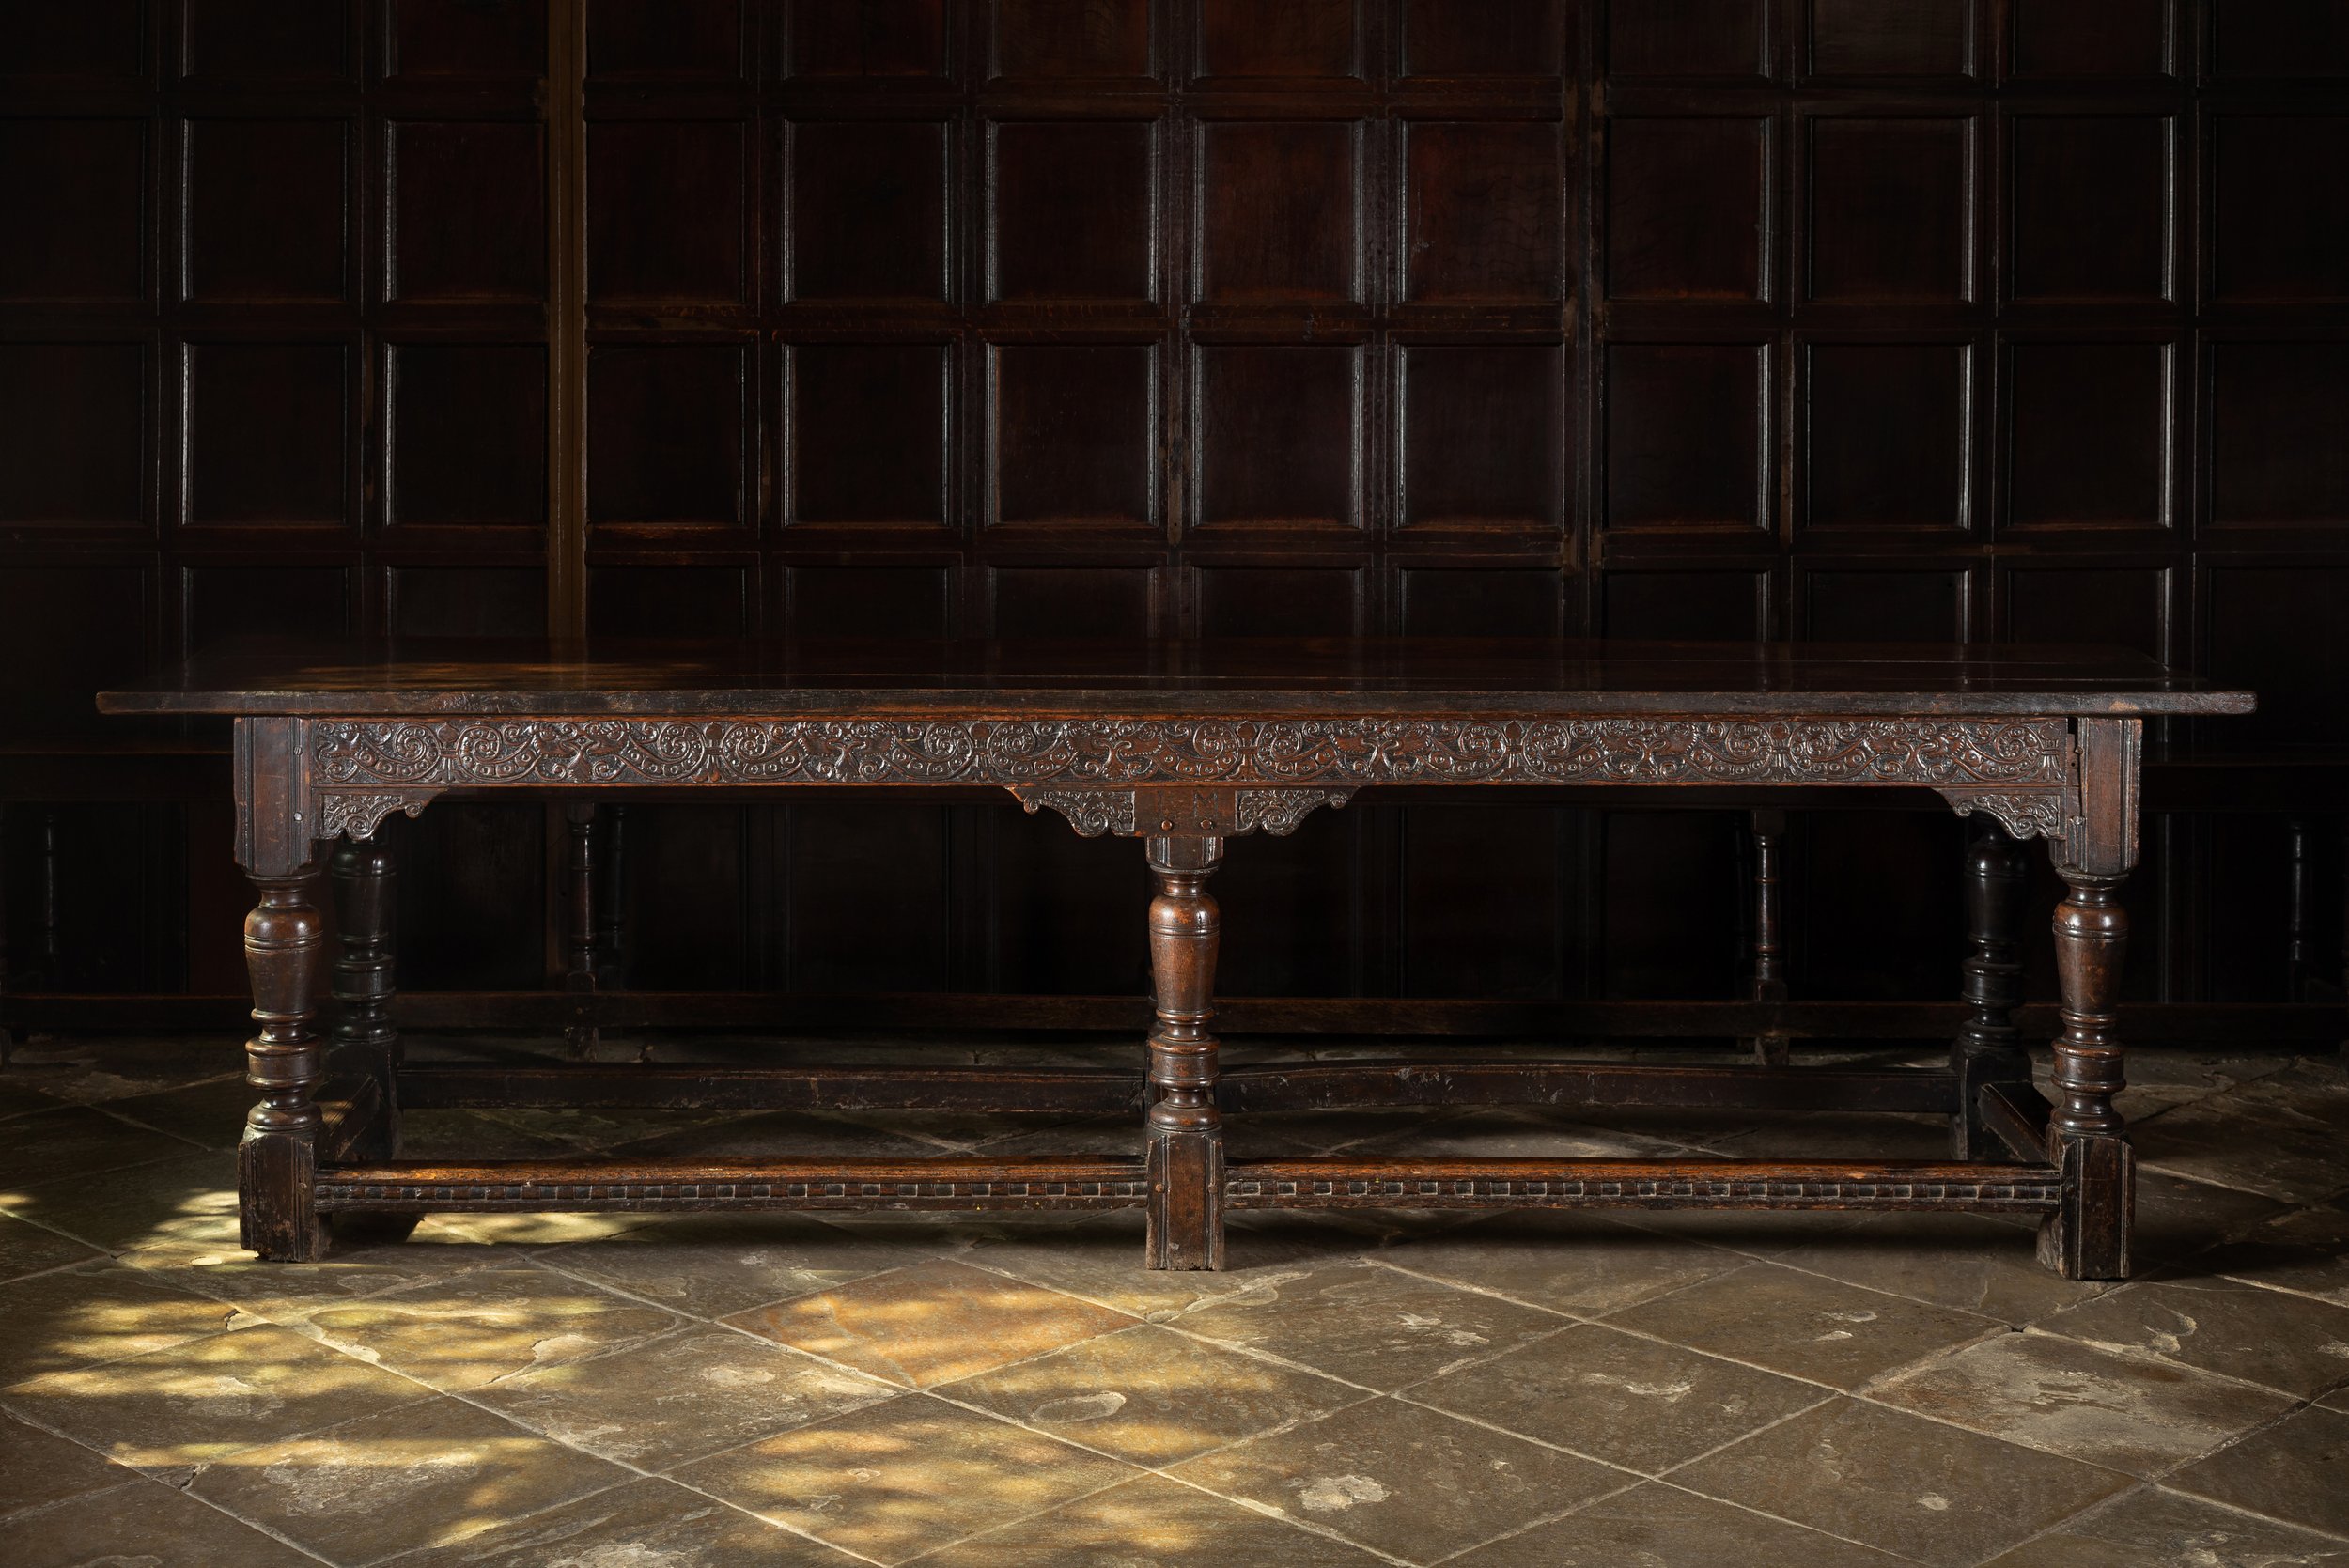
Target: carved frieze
[[478, 753]]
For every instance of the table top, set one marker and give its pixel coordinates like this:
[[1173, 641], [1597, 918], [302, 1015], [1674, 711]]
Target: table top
[[1226, 678]]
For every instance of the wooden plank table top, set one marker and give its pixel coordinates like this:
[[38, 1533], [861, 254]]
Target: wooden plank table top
[[1226, 677], [1187, 746]]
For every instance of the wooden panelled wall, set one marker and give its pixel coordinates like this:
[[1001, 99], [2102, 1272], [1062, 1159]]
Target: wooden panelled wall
[[1794, 319]]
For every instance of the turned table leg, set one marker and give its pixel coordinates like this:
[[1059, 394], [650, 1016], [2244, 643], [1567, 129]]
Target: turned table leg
[[1988, 1048], [363, 977], [2088, 1238], [278, 1159], [1185, 1147]]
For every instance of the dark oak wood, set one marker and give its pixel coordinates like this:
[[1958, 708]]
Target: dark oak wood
[[882, 1016], [278, 1157], [1989, 1046], [579, 905], [1768, 951], [363, 980], [1186, 747], [927, 318], [1184, 1126]]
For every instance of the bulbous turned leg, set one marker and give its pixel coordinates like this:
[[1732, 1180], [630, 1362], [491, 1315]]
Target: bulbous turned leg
[[1989, 1048], [1185, 1147], [277, 1162], [2088, 1238], [363, 977]]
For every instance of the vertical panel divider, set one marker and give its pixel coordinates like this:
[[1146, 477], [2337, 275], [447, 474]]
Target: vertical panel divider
[[566, 319]]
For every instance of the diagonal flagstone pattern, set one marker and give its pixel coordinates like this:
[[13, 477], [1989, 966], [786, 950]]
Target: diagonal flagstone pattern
[[1777, 1391]]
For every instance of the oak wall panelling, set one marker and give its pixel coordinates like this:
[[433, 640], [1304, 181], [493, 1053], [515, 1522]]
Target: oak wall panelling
[[1995, 319]]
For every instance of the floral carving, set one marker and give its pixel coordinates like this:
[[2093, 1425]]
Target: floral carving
[[1279, 811], [359, 816], [1219, 813], [1091, 812]]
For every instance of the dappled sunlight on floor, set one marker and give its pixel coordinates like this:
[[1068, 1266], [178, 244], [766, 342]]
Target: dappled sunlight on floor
[[1509, 1390]]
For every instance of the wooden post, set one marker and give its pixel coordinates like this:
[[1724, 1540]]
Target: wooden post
[[52, 959], [578, 947], [1769, 940], [1989, 1048], [364, 981], [2296, 892], [277, 1162], [2088, 1238], [1185, 1147]]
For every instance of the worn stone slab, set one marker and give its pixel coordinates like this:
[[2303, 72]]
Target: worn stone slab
[[895, 1480], [1151, 1521], [98, 1313], [475, 1328], [76, 1142], [2306, 1252], [2289, 1342], [142, 1525], [644, 1524], [26, 1249], [1655, 1523], [2150, 1528], [424, 1475], [38, 1469], [709, 1265], [1369, 1325], [1969, 1262], [656, 1405], [1803, 1324], [190, 1404], [1152, 1396], [931, 1324], [1631, 1402], [1401, 1479], [2297, 1470], [2126, 1412], [1584, 1263], [1915, 1487]]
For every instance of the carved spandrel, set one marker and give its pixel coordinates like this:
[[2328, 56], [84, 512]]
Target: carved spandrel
[[358, 815], [1251, 753], [1091, 812], [1196, 812], [2024, 813]]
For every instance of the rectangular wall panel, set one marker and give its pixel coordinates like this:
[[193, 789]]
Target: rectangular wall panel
[[1730, 320]]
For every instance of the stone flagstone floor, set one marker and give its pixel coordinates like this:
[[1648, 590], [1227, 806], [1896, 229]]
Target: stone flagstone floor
[[1509, 1391]]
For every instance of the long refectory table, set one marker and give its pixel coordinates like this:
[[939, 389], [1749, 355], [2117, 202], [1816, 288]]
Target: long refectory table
[[1185, 746]]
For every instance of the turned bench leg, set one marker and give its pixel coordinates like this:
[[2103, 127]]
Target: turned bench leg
[[363, 978], [1185, 1148], [277, 1162], [1989, 1048], [2088, 1237]]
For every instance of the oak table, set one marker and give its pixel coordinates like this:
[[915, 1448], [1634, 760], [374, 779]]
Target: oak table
[[1184, 745]]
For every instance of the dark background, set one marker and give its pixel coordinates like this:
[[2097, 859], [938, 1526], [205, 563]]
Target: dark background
[[1910, 319]]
